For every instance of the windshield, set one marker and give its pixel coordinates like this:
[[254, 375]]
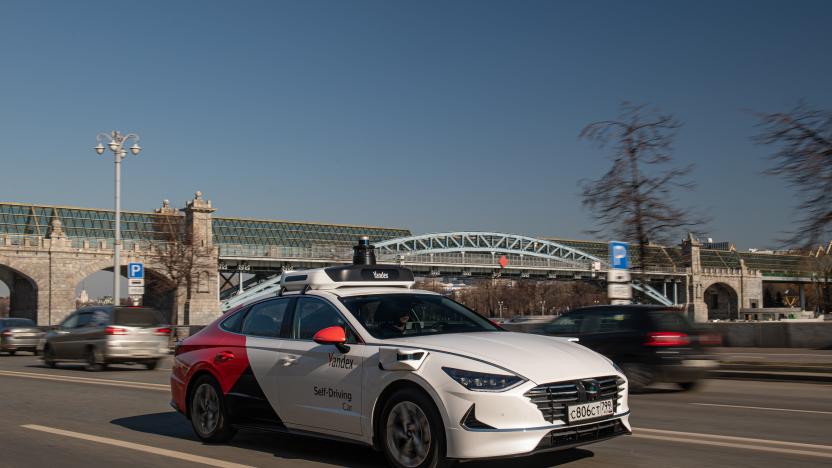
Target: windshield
[[396, 315]]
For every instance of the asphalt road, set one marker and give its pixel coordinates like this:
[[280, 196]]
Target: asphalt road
[[68, 417]]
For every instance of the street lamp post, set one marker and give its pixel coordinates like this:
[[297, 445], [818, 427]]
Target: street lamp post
[[116, 146]]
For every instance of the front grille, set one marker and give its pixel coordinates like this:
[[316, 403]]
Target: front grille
[[553, 398], [584, 434]]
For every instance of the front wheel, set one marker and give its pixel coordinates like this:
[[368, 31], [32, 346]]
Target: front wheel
[[209, 416], [412, 433], [150, 365], [12, 352], [49, 357]]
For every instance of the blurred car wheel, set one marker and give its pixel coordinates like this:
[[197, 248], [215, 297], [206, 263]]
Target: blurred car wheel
[[49, 357], [690, 386], [93, 363]]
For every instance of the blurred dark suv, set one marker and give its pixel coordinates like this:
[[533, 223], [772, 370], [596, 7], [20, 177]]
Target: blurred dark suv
[[650, 343]]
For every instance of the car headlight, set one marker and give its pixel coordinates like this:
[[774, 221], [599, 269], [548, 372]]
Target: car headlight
[[482, 382]]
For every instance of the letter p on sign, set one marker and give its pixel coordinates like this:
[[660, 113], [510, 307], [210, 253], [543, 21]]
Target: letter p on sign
[[135, 270]]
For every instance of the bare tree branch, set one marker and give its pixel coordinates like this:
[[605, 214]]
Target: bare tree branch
[[632, 201], [802, 139]]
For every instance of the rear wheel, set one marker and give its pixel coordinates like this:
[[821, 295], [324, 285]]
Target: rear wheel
[[690, 386], [150, 365], [12, 352], [93, 363], [209, 416], [411, 431], [639, 376]]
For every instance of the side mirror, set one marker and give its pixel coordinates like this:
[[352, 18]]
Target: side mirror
[[332, 336]]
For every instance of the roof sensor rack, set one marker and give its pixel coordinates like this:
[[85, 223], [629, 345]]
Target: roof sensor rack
[[362, 273]]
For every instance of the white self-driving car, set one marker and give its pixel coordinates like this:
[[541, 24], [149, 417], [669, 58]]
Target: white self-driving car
[[353, 353]]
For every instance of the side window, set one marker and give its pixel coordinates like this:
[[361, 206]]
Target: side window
[[610, 321], [70, 322], [313, 315], [234, 323], [266, 318], [85, 319], [100, 317], [570, 323]]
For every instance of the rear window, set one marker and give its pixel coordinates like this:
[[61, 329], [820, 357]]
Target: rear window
[[669, 320], [137, 317], [17, 322]]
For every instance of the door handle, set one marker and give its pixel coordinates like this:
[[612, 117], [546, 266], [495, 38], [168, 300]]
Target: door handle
[[224, 356]]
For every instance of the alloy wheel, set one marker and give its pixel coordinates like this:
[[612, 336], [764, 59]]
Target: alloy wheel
[[206, 409], [408, 434]]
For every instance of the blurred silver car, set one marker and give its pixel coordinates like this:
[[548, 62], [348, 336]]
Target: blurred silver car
[[19, 334], [102, 335]]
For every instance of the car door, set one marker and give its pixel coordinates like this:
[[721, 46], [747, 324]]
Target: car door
[[61, 335], [254, 396], [613, 332], [318, 386], [77, 338]]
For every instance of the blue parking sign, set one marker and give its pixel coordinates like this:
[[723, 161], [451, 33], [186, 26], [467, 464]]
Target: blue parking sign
[[619, 255], [135, 270]]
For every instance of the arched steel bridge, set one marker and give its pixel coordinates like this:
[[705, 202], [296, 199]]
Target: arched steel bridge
[[485, 246]]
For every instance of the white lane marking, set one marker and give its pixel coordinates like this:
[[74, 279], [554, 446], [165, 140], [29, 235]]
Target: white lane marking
[[763, 445], [765, 408], [138, 447], [87, 380]]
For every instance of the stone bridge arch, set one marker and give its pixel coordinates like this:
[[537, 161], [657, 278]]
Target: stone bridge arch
[[161, 292], [722, 299], [24, 287]]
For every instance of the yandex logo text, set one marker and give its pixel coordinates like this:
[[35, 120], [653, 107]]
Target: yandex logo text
[[340, 362]]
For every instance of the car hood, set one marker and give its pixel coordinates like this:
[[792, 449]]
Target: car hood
[[538, 358]]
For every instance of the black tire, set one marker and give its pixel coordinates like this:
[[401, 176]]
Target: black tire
[[639, 376], [150, 365], [12, 352], [49, 357], [407, 419], [208, 412], [93, 362], [690, 386]]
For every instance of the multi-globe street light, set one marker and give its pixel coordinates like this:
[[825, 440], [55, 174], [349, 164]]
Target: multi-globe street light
[[116, 146]]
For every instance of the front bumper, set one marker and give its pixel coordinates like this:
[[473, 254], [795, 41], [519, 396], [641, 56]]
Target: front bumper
[[505, 424], [498, 443]]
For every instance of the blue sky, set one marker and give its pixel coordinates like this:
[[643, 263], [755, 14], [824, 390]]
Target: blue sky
[[431, 116]]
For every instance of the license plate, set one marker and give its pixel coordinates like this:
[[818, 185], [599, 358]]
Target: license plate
[[592, 410]]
